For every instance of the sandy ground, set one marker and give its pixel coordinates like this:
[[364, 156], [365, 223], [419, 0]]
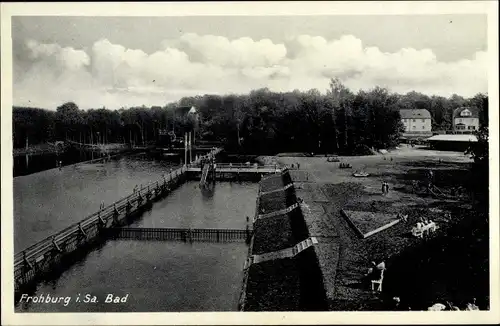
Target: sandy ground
[[326, 189], [322, 171]]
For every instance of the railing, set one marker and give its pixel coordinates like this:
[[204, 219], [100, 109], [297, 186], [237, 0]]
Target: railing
[[180, 234], [47, 244], [30, 260], [239, 166]]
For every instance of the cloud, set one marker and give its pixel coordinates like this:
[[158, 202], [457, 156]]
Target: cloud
[[111, 75]]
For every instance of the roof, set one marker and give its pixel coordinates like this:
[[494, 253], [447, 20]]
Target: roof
[[462, 138], [473, 110], [183, 110], [415, 114]]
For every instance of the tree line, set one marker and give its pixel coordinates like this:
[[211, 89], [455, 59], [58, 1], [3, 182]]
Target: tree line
[[340, 121]]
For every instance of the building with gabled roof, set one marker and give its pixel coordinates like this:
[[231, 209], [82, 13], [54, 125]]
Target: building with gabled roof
[[417, 123], [465, 120], [185, 110]]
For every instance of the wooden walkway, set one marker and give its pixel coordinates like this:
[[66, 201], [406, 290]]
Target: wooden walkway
[[238, 168], [181, 234]]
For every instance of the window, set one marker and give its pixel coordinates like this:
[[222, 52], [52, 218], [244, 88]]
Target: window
[[460, 120], [471, 127], [465, 113], [423, 120], [423, 127], [413, 127], [413, 120]]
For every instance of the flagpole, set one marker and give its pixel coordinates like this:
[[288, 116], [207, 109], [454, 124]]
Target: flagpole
[[185, 149], [190, 148]]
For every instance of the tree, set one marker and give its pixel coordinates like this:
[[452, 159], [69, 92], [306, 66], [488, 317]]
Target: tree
[[261, 121], [479, 152], [341, 106], [69, 119]]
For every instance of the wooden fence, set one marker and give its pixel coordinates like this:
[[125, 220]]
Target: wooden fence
[[180, 234]]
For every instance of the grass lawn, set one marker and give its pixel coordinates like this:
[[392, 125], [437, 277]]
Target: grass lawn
[[367, 223]]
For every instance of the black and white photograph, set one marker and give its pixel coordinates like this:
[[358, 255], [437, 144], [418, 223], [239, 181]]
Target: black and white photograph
[[202, 161]]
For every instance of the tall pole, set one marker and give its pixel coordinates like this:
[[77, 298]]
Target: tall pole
[[185, 148], [190, 148]]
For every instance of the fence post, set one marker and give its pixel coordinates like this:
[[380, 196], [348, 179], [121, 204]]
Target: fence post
[[80, 229], [115, 215], [27, 264], [128, 208], [139, 200], [101, 222], [56, 246]]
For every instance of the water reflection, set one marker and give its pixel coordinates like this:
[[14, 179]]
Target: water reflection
[[158, 277], [207, 192], [166, 275], [50, 200]]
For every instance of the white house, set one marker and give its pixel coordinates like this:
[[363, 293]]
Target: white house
[[416, 122], [465, 120]]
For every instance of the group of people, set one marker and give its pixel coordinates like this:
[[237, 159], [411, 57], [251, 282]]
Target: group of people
[[296, 165], [385, 188], [424, 226], [345, 166]]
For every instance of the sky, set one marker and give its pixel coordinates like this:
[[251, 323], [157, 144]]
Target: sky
[[129, 61]]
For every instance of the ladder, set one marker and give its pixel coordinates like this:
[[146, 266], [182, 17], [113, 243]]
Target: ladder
[[204, 174]]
